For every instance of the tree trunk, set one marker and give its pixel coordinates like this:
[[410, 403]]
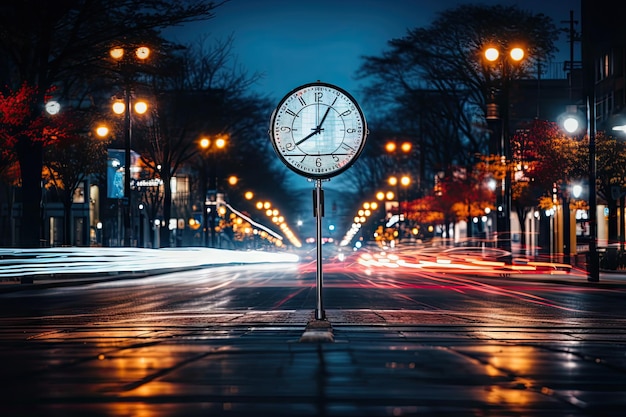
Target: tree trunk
[[167, 210], [470, 223], [521, 219], [612, 204], [30, 156], [67, 218], [7, 237]]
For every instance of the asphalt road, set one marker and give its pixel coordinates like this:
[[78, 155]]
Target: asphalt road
[[243, 341]]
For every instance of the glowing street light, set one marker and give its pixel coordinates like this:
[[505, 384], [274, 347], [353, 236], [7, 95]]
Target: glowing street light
[[53, 107], [102, 131], [492, 54], [571, 125]]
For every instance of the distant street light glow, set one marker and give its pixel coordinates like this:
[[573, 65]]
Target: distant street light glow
[[53, 107], [571, 124], [517, 54], [102, 131], [118, 107], [143, 52], [491, 54], [141, 107], [117, 53]]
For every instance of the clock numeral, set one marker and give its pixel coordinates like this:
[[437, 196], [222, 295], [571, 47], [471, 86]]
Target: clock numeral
[[318, 162], [289, 111], [285, 129], [301, 100], [335, 158], [345, 113], [351, 130], [290, 146], [303, 158], [318, 96]]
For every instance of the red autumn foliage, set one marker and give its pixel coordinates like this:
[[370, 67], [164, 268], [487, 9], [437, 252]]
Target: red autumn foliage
[[21, 117]]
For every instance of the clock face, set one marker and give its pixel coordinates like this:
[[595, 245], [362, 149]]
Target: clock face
[[318, 130]]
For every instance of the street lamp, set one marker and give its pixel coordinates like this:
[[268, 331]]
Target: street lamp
[[405, 147], [403, 181], [102, 131], [53, 107], [573, 122], [389, 198], [126, 65], [122, 108], [399, 151], [208, 148], [500, 112]]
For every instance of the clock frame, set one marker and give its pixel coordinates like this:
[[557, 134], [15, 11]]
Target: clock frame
[[318, 130]]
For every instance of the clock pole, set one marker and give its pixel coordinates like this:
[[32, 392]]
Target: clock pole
[[318, 131], [318, 211]]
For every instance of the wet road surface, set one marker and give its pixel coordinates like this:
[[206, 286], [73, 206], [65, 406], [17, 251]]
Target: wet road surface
[[465, 348]]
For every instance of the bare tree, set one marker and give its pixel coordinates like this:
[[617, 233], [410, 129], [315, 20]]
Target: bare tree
[[202, 92], [45, 42], [438, 75]]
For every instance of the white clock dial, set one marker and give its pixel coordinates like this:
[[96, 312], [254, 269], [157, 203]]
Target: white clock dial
[[318, 130]]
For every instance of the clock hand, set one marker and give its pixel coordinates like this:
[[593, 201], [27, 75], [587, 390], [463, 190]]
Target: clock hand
[[318, 129], [315, 131]]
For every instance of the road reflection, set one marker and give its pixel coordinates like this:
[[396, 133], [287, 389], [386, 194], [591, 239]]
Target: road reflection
[[415, 331], [474, 260]]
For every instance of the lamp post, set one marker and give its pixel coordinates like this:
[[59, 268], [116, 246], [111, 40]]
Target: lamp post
[[399, 151], [403, 181], [123, 107], [494, 112], [388, 198], [126, 61], [588, 55], [572, 123], [208, 148]]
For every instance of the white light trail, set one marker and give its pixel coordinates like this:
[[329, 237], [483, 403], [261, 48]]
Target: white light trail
[[18, 263]]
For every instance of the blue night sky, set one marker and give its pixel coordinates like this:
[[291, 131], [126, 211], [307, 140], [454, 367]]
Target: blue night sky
[[296, 42]]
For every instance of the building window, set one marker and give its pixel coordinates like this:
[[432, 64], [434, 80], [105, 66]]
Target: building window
[[606, 66], [79, 194]]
